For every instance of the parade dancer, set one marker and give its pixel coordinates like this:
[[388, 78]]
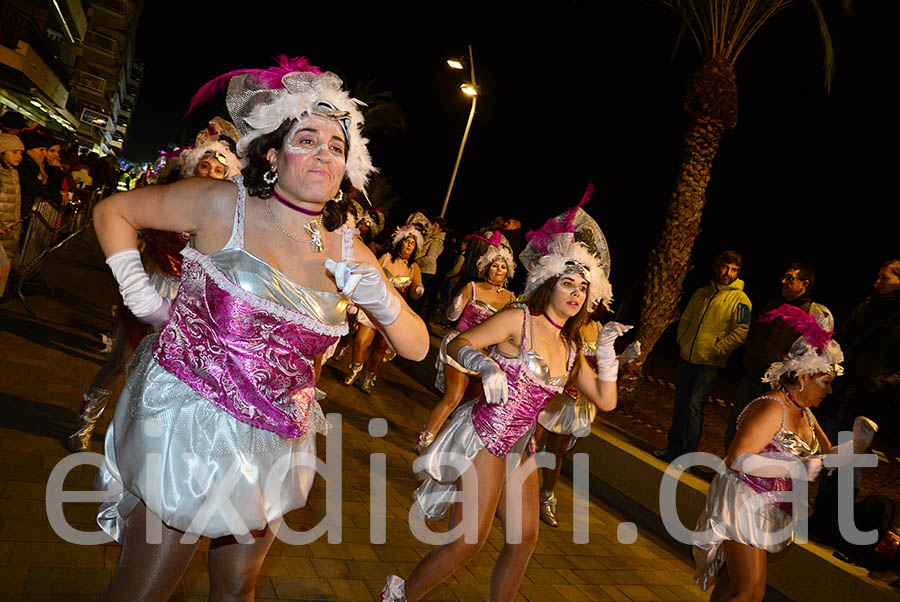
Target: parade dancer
[[534, 348], [747, 516], [402, 272], [472, 306], [161, 255], [222, 400], [569, 416]]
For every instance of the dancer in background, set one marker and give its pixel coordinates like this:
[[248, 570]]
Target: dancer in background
[[473, 305], [747, 516], [212, 157], [403, 273], [534, 350], [223, 397]]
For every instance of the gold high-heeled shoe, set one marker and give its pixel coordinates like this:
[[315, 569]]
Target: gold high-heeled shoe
[[355, 369], [368, 382], [548, 508]]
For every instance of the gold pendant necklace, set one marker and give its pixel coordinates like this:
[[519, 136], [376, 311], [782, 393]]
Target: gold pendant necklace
[[312, 228]]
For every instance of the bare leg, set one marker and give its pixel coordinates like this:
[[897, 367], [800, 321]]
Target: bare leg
[[362, 342], [443, 561], [234, 567], [149, 572], [376, 353], [555, 444], [129, 332], [455, 386], [513, 559], [746, 572], [722, 590]]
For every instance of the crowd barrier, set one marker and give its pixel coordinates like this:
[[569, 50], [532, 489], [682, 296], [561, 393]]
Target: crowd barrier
[[49, 228]]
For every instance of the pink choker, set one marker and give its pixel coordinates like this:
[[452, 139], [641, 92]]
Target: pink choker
[[290, 205]]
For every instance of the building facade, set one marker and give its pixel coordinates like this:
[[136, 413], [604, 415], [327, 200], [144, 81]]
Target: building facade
[[70, 65]]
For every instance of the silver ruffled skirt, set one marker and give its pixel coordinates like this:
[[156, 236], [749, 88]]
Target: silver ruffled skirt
[[567, 416], [735, 512], [191, 463], [449, 456]]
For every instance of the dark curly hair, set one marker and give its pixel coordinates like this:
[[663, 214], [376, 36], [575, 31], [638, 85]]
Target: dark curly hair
[[257, 165]]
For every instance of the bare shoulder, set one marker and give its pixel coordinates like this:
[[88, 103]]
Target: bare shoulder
[[762, 412]]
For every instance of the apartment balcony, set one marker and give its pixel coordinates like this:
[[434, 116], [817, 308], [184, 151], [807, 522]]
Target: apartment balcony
[[89, 81], [101, 49], [109, 13]]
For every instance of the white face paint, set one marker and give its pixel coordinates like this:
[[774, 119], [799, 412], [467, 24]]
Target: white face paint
[[301, 141]]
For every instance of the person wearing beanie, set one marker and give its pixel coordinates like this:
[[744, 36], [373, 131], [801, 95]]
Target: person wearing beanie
[[32, 173], [10, 157]]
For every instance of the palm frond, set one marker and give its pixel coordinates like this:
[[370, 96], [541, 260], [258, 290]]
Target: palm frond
[[723, 28]]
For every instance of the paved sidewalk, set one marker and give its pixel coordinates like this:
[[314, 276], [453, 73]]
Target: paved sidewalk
[[45, 364]]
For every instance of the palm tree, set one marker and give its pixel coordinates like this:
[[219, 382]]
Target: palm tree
[[721, 29]]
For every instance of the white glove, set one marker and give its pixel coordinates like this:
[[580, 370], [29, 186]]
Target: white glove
[[139, 296], [607, 364], [493, 379], [455, 310], [631, 353], [362, 282], [863, 432], [417, 291]]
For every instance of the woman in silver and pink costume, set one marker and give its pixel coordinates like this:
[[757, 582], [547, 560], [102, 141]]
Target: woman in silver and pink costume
[[778, 448], [214, 433], [533, 352], [473, 305]]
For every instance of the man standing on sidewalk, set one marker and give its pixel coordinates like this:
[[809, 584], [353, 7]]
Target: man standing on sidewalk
[[769, 342], [714, 324]]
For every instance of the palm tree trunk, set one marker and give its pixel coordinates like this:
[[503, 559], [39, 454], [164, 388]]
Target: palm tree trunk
[[711, 99]]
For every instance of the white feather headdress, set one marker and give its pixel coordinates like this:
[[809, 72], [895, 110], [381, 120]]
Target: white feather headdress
[[260, 100], [405, 232], [564, 244], [813, 352], [496, 251], [192, 157]]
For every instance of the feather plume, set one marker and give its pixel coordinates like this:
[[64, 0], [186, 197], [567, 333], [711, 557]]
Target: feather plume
[[270, 78], [805, 325], [562, 223]]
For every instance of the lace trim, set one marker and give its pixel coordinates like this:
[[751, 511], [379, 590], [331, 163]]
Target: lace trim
[[347, 236], [213, 272]]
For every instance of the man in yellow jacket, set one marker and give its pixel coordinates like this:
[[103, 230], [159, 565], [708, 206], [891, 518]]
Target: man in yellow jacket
[[714, 324]]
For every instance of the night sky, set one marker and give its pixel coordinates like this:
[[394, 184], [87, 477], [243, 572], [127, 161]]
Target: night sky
[[581, 91]]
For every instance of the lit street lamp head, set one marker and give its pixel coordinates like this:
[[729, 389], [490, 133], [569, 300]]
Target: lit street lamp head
[[469, 89], [454, 64]]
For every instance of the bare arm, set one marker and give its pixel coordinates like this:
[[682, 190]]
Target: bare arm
[[602, 393], [194, 205]]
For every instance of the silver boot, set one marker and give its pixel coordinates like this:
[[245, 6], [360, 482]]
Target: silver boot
[[355, 369], [92, 407], [548, 508], [394, 590], [368, 382]]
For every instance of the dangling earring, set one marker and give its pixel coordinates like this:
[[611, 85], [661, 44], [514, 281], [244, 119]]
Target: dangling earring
[[800, 390], [270, 177], [339, 197]]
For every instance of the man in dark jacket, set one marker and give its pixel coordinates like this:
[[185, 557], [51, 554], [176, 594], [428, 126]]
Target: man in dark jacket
[[769, 342]]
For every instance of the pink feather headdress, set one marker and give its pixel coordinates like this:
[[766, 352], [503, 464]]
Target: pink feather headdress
[[814, 351], [260, 100]]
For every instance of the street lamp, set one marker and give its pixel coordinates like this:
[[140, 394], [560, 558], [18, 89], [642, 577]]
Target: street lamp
[[468, 89]]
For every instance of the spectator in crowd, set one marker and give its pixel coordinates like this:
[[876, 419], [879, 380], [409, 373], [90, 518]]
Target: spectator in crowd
[[770, 341], [12, 122], [427, 258], [10, 156], [714, 324], [871, 342], [34, 178]]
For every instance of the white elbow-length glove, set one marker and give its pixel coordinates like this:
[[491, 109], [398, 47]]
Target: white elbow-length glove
[[607, 363], [493, 379], [455, 309], [362, 282], [139, 296]]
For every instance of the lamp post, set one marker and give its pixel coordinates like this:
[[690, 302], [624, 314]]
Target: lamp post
[[469, 90]]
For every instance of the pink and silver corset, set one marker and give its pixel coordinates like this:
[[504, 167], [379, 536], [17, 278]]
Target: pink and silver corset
[[500, 426], [474, 313], [245, 352]]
